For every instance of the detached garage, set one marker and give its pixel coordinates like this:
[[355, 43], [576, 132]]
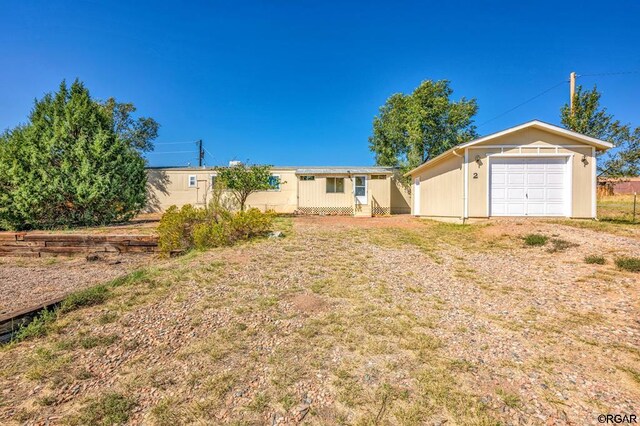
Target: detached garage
[[534, 169]]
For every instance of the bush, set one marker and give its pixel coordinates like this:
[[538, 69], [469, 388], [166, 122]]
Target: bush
[[176, 227], [39, 326], [535, 240], [250, 223], [594, 259], [203, 228], [631, 264]]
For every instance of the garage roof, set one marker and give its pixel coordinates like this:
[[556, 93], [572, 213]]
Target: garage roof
[[588, 140]]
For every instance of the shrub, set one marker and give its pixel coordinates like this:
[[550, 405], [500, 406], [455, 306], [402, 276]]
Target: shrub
[[191, 227], [176, 227], [250, 223], [595, 259], [631, 264], [535, 240], [39, 326]]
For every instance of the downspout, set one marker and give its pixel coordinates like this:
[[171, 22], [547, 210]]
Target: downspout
[[464, 180]]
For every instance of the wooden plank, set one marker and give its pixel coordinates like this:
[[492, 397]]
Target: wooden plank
[[87, 244], [7, 236], [19, 254], [141, 249], [15, 249], [70, 249], [143, 243], [22, 243]]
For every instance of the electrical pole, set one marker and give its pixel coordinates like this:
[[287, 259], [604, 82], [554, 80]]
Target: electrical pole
[[572, 89], [200, 153]]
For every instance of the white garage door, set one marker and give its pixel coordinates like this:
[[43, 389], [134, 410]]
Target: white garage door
[[534, 186]]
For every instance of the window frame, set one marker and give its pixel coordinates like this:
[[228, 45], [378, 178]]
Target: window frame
[[278, 188], [335, 185], [195, 181], [212, 180]]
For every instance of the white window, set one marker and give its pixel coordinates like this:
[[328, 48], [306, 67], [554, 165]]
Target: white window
[[335, 185], [212, 180], [193, 182]]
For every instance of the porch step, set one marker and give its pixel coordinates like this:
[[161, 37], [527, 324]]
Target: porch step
[[363, 211]]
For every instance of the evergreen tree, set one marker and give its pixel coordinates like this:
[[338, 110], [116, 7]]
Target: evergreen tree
[[67, 166]]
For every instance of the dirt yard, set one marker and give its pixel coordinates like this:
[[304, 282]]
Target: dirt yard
[[350, 321]]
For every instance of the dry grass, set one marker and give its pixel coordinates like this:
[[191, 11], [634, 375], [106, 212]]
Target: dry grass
[[412, 324], [615, 216]]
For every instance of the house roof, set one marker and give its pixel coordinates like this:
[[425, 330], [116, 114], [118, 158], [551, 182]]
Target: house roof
[[344, 170], [304, 170], [588, 140]]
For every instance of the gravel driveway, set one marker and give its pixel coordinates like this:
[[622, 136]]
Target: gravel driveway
[[351, 321]]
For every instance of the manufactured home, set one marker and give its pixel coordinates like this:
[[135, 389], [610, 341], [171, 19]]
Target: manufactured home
[[358, 191], [534, 169]]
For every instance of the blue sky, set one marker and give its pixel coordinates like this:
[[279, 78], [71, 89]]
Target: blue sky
[[289, 82]]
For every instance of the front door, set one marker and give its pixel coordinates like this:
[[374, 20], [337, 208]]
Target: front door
[[360, 189]]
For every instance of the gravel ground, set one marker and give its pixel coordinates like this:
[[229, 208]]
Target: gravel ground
[[350, 321], [28, 282]]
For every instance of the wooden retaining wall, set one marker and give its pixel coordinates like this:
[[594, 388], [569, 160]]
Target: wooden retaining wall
[[34, 244]]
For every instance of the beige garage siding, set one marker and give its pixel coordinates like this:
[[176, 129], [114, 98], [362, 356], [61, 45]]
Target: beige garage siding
[[441, 189], [582, 173]]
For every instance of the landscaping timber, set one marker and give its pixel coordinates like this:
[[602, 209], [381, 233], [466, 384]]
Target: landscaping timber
[[38, 244]]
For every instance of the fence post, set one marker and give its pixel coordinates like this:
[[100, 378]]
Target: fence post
[[635, 196]]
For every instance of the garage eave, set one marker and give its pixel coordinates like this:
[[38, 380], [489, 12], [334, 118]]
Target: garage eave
[[587, 140]]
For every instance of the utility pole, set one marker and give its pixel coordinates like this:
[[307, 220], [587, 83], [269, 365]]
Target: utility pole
[[200, 153], [572, 89]]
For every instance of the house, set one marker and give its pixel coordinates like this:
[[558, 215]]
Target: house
[[534, 169], [619, 186], [360, 191]]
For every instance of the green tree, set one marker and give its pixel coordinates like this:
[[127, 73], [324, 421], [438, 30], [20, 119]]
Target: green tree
[[412, 128], [243, 180], [138, 133], [590, 119], [68, 166]]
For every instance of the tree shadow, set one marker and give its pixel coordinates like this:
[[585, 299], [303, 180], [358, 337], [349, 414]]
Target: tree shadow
[[157, 182]]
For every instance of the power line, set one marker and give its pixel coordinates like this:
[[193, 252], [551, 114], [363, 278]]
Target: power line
[[523, 103], [207, 151]]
